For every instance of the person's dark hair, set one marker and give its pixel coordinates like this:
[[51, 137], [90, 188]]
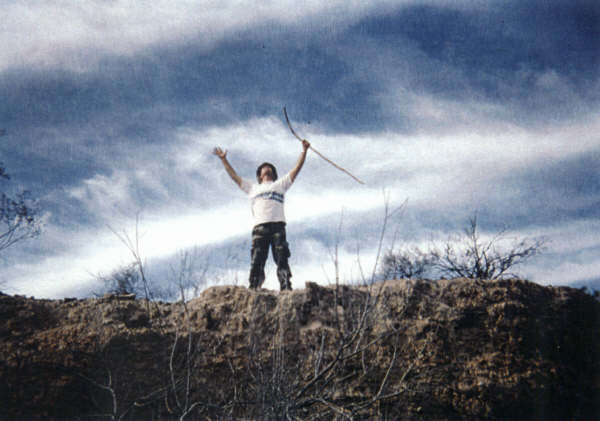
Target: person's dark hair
[[266, 164]]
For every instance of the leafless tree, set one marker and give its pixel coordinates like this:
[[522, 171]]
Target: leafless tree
[[466, 255], [469, 256], [122, 281], [190, 276], [133, 245], [388, 214], [407, 264], [19, 216]]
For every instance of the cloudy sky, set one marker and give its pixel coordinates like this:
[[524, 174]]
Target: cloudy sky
[[111, 110]]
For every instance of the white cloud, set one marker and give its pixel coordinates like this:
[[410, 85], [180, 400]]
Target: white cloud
[[79, 35], [433, 171], [105, 196], [316, 263], [564, 270], [565, 239], [100, 251], [459, 166], [75, 35]]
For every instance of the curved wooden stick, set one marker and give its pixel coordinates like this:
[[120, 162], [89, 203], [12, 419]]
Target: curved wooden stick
[[316, 151]]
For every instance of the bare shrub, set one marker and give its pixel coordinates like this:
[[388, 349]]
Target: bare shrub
[[19, 216], [465, 255], [122, 281], [408, 264], [469, 256], [133, 245]]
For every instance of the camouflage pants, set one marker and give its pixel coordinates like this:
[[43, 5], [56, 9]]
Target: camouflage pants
[[271, 234]]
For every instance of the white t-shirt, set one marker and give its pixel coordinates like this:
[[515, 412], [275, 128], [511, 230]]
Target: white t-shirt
[[267, 199]]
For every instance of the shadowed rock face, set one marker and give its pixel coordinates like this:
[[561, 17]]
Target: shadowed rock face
[[451, 349]]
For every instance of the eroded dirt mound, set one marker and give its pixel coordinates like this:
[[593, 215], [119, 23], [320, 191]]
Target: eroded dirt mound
[[451, 349]]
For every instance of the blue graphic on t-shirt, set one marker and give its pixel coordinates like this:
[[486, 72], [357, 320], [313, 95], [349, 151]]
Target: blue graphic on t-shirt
[[270, 195]]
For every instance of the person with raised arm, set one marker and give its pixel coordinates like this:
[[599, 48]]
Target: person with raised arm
[[267, 196]]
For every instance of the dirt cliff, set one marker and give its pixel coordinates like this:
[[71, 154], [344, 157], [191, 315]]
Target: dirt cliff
[[444, 350]]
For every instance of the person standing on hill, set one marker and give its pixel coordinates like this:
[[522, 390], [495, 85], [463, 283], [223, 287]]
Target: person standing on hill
[[267, 198]]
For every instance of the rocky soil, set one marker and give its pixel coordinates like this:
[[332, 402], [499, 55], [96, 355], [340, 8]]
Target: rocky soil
[[443, 350]]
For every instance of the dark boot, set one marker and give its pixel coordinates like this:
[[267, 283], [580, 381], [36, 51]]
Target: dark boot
[[284, 276]]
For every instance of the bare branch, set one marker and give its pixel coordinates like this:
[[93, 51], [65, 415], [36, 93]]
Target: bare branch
[[317, 152]]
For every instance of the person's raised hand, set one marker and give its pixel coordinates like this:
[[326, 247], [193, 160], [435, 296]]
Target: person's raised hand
[[220, 152]]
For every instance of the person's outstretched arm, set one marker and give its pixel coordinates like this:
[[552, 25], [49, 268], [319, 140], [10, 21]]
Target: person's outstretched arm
[[300, 163], [223, 155]]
